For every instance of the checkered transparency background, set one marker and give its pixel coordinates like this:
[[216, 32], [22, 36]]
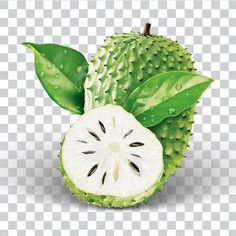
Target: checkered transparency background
[[200, 199]]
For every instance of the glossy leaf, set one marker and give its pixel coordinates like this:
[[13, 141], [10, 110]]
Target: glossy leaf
[[61, 71], [166, 95]]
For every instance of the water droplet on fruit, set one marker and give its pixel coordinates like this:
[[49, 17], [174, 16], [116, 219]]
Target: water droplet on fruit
[[61, 66], [171, 110], [49, 66], [165, 127], [56, 87], [42, 74], [79, 69], [65, 51], [178, 87]]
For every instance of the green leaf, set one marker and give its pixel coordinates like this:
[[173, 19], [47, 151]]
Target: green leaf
[[166, 95], [61, 71]]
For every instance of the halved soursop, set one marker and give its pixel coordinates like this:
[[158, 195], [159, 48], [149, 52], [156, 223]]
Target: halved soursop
[[109, 159], [127, 60]]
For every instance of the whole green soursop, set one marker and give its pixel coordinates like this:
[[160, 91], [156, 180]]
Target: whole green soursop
[[123, 63]]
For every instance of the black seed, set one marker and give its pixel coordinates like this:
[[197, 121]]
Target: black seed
[[102, 126], [92, 170], [136, 144], [135, 155], [134, 166], [81, 141], [94, 135], [89, 152], [103, 178], [128, 133]]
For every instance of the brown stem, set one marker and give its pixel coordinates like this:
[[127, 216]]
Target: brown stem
[[146, 30]]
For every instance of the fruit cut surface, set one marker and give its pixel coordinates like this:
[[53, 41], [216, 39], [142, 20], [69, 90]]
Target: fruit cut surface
[[108, 152]]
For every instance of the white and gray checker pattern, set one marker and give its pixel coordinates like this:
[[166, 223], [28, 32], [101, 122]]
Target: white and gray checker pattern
[[199, 200]]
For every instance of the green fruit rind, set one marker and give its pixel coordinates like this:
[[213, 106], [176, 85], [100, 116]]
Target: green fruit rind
[[104, 200], [174, 134], [166, 95], [61, 71], [125, 61]]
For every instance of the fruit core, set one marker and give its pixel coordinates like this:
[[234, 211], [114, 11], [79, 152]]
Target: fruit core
[[114, 147]]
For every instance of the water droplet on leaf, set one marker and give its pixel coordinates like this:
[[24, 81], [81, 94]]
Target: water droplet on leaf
[[171, 110], [178, 87], [65, 51], [56, 87], [42, 74], [187, 93], [49, 66], [57, 76], [79, 69], [144, 118], [37, 62], [61, 66], [165, 99]]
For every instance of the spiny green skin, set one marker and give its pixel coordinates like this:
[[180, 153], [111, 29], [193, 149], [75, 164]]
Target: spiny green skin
[[127, 60], [104, 200], [174, 134], [123, 63]]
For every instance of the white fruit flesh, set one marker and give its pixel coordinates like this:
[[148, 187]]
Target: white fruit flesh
[[108, 152]]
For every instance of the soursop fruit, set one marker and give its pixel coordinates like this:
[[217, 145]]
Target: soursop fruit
[[127, 60], [109, 159]]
